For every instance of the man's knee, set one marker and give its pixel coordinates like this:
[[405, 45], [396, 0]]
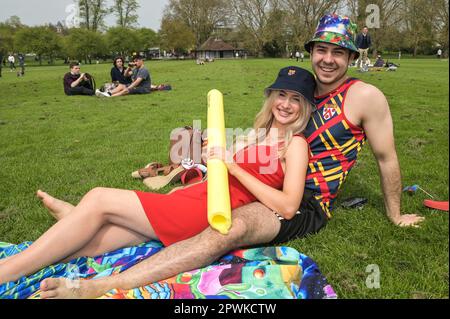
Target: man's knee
[[238, 232], [254, 224]]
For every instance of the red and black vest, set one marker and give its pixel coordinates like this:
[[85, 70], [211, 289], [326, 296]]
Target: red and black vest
[[334, 144]]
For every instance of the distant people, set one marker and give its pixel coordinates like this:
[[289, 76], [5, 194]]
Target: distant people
[[141, 82], [439, 53], [302, 56], [363, 43], [379, 63], [21, 59], [1, 63], [399, 55], [200, 62], [297, 56], [12, 61], [77, 83]]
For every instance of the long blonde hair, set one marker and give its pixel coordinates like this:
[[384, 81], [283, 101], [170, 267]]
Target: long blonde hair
[[264, 121]]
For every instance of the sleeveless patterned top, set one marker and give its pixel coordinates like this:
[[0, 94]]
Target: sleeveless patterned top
[[334, 144]]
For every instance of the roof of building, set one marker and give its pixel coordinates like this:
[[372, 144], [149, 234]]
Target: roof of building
[[216, 44]]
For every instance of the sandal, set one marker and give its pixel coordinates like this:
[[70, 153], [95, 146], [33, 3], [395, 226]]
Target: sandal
[[172, 175], [151, 170]]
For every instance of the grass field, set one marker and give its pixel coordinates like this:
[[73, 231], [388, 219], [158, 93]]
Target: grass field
[[68, 145]]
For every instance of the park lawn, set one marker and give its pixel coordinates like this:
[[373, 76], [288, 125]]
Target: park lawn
[[68, 145]]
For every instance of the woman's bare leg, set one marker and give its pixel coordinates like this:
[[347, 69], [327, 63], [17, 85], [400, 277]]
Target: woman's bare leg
[[99, 207], [57, 208], [104, 240]]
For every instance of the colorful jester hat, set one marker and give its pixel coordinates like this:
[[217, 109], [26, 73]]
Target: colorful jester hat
[[335, 29]]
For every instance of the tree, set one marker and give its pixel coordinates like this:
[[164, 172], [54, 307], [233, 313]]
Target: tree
[[125, 10], [6, 39], [7, 33], [303, 17], [83, 44], [276, 33], [201, 16], [147, 38], [418, 17], [39, 40], [92, 13], [14, 22], [252, 17], [176, 36], [441, 24], [123, 41]]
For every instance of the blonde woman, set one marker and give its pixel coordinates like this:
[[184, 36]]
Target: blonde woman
[[110, 219]]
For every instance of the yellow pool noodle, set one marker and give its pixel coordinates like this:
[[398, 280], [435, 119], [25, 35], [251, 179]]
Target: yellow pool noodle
[[219, 205]]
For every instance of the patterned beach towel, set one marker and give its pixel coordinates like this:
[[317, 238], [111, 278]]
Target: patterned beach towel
[[260, 273]]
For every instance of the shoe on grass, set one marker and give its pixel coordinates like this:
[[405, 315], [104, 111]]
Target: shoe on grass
[[101, 94]]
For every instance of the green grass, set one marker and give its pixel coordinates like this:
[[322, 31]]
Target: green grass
[[67, 146]]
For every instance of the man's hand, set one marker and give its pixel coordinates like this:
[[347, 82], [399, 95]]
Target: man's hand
[[408, 220]]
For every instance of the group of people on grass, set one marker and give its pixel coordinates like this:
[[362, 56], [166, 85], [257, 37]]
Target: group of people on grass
[[125, 80], [11, 59], [315, 142]]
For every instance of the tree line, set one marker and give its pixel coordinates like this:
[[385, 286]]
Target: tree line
[[261, 27]]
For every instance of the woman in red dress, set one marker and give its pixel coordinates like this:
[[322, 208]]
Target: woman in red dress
[[269, 168]]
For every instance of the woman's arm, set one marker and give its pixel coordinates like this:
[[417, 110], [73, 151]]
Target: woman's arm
[[287, 201]]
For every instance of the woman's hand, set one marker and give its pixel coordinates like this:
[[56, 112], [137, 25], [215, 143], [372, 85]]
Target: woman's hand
[[223, 155]]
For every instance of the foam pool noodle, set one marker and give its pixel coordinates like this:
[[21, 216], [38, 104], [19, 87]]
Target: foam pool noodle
[[219, 205]]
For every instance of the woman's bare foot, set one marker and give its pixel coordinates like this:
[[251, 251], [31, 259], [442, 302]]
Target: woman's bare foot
[[58, 208], [63, 288]]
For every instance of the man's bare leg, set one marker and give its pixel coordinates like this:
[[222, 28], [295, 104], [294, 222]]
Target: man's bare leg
[[252, 225]]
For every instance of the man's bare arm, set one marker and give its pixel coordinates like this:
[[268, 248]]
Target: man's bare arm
[[378, 125], [135, 83]]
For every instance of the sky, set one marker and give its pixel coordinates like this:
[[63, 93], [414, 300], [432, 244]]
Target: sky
[[38, 12]]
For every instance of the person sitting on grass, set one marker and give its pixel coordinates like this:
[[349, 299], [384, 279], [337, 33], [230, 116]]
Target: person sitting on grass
[[141, 82], [77, 83], [120, 75], [109, 219], [379, 63]]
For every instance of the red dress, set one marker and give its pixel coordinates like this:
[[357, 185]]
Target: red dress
[[183, 214]]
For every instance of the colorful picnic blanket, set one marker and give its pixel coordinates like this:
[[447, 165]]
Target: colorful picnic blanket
[[260, 273]]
